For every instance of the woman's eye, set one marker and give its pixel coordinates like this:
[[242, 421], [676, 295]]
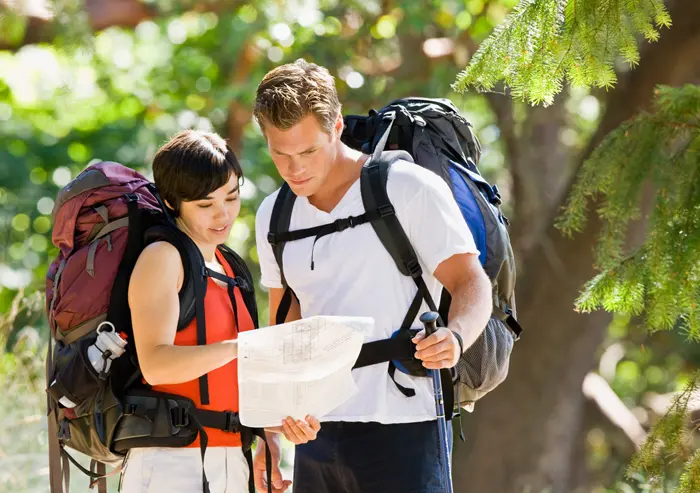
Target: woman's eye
[[232, 199], [204, 206]]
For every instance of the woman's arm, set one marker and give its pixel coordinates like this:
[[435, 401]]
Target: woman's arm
[[155, 309]]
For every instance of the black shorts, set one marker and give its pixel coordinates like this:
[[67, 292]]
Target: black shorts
[[351, 457]]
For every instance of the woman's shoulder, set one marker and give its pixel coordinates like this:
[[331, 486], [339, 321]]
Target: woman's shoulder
[[159, 263], [161, 252]]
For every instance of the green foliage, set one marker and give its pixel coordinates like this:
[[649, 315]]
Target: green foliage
[[118, 94], [670, 437], [542, 43], [660, 149], [690, 479]]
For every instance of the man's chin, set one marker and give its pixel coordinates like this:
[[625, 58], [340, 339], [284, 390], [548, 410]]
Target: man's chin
[[302, 189]]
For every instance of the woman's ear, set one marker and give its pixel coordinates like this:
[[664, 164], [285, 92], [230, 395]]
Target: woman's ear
[[172, 210]]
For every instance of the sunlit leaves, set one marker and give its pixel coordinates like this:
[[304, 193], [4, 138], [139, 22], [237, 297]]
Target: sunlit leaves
[[543, 43]]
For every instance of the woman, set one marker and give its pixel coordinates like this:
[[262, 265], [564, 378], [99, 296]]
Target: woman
[[198, 178]]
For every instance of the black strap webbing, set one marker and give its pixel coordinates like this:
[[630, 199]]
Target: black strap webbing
[[280, 220], [384, 350], [336, 226], [284, 306], [200, 284]]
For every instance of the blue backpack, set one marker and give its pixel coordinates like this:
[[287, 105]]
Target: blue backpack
[[431, 133]]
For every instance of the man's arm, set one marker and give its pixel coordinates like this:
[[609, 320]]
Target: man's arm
[[464, 277], [275, 300]]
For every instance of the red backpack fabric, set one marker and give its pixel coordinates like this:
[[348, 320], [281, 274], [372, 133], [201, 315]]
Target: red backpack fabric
[[91, 232]]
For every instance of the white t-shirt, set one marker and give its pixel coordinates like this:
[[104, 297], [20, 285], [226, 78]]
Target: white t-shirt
[[354, 275]]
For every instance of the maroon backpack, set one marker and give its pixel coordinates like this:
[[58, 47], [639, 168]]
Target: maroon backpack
[[102, 221]]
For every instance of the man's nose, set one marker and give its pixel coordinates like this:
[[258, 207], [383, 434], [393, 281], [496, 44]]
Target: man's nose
[[296, 167]]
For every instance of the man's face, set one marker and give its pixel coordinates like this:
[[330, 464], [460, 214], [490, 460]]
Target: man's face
[[303, 154]]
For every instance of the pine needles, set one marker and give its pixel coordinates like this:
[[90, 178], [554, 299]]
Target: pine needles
[[542, 43], [662, 278]]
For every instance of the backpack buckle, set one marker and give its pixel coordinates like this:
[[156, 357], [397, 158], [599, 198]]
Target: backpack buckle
[[242, 284], [233, 424], [272, 238], [413, 267], [344, 223], [180, 417], [386, 210]]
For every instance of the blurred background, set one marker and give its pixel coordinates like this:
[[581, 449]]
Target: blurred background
[[113, 79]]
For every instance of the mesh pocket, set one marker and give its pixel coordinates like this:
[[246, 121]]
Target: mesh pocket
[[74, 376], [484, 365]]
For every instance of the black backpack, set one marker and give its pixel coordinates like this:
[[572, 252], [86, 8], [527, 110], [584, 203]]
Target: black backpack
[[103, 220], [432, 133]]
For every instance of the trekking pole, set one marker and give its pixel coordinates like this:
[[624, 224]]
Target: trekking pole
[[429, 320]]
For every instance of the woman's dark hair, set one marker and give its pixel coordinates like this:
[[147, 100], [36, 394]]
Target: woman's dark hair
[[191, 165]]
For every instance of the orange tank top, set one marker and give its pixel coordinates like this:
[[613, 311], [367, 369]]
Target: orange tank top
[[223, 382]]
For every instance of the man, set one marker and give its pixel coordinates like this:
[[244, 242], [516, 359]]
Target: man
[[380, 440]]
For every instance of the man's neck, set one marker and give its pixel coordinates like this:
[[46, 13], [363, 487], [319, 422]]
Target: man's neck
[[346, 170]]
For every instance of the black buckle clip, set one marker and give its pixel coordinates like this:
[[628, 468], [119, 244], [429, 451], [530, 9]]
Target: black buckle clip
[[512, 324], [233, 424], [386, 210], [413, 267], [242, 283], [272, 238], [344, 223], [180, 417], [131, 197]]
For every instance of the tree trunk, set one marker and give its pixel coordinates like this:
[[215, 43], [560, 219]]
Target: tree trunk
[[523, 437]]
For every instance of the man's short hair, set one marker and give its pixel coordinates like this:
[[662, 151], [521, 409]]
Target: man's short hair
[[191, 165], [291, 92]]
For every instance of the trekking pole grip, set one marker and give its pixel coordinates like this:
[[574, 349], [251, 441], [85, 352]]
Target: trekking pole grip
[[429, 321]]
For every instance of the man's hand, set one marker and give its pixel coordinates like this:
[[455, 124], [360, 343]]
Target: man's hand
[[279, 485], [439, 350], [298, 431]]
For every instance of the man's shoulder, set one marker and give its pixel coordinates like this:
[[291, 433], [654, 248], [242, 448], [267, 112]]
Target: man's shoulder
[[407, 179], [408, 173], [264, 211]]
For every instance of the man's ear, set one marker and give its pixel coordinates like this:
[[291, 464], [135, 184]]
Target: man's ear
[[339, 125]]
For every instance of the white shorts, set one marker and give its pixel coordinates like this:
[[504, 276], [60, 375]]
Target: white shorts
[[173, 470]]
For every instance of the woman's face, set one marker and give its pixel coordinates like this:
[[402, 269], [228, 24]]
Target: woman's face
[[208, 221]]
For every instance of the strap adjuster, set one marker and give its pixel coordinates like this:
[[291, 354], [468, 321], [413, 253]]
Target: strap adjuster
[[413, 267], [344, 223], [242, 284], [272, 238], [386, 210], [233, 424], [180, 417]]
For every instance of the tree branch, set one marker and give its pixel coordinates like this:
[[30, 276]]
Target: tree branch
[[596, 389]]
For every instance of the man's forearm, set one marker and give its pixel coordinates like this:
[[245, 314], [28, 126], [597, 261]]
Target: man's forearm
[[471, 308]]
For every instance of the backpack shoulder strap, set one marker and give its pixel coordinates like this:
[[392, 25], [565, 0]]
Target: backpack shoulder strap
[[279, 223], [373, 182], [194, 286], [240, 269]]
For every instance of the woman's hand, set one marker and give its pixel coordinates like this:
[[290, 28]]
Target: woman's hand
[[298, 431]]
